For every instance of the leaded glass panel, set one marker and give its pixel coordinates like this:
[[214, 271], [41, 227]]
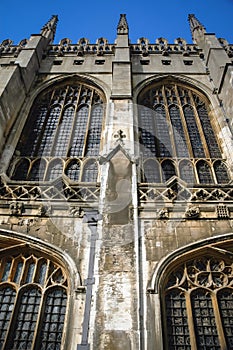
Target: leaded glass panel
[[174, 122], [53, 320], [178, 132], [201, 290], [177, 323], [73, 170], [186, 172], [94, 132], [90, 172], [208, 132], [79, 133], [26, 319], [225, 301], [46, 141], [151, 172], [54, 170], [21, 170], [60, 147], [146, 132], [204, 320], [168, 170], [204, 173], [31, 314], [38, 170], [162, 133], [194, 135], [7, 300], [221, 172], [65, 121]]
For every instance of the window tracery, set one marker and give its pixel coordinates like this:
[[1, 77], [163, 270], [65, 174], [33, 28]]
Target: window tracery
[[174, 122], [198, 303], [33, 300], [65, 121]]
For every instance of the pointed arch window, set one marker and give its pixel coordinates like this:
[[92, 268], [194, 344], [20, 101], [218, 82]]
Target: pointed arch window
[[198, 302], [174, 122], [90, 171], [33, 300], [65, 121]]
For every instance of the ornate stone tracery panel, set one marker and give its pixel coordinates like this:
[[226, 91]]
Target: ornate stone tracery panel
[[34, 291], [65, 121], [198, 300], [174, 122]]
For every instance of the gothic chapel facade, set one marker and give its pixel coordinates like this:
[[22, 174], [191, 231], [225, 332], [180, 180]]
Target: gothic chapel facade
[[116, 196]]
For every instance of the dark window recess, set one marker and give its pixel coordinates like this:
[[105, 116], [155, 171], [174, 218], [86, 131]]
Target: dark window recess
[[145, 62], [188, 62], [166, 62], [57, 63], [99, 62], [78, 62]]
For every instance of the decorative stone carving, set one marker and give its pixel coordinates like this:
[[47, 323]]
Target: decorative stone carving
[[119, 136], [163, 214], [44, 210], [77, 212], [222, 211], [16, 208], [192, 212]]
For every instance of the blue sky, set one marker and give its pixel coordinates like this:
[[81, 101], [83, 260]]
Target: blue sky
[[96, 18]]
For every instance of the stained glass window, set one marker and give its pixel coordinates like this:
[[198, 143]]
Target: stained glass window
[[186, 172], [33, 300], [73, 170], [21, 170], [174, 122], [221, 172], [198, 302], [54, 170], [151, 171], [204, 172], [90, 172], [65, 121]]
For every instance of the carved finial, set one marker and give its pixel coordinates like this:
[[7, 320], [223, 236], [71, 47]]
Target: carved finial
[[195, 23], [122, 27], [50, 26]]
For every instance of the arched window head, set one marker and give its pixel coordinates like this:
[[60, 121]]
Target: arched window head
[[65, 121], [90, 171], [175, 122], [221, 172], [37, 171], [168, 170], [151, 171], [33, 299], [197, 300], [55, 170], [187, 172], [73, 170], [21, 170], [204, 172]]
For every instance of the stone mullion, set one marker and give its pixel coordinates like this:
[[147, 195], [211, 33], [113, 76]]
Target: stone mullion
[[59, 121], [191, 327], [183, 121], [199, 126], [88, 124], [74, 118], [35, 341], [170, 128], [219, 327]]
